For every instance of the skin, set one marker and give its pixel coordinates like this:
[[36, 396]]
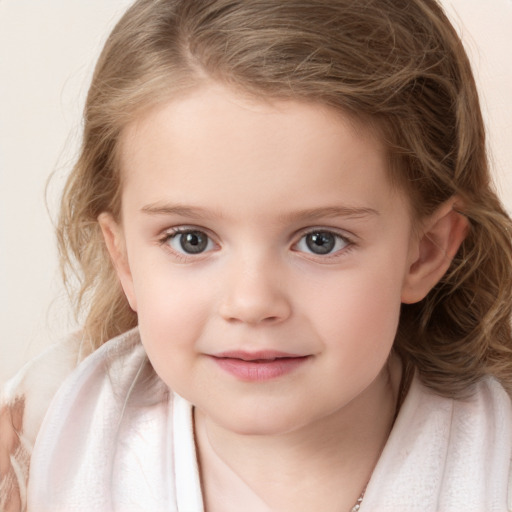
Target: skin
[[256, 177]]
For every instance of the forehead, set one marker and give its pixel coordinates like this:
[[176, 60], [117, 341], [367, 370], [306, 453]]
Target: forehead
[[215, 145]]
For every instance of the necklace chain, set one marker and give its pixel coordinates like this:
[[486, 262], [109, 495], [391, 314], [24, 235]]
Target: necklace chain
[[357, 506], [405, 382]]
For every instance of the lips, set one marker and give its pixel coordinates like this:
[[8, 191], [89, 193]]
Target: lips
[[261, 355], [259, 366]]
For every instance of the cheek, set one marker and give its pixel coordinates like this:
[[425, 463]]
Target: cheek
[[358, 332], [359, 310], [173, 308]]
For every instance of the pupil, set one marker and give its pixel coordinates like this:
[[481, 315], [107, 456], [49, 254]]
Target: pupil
[[321, 242], [193, 242]]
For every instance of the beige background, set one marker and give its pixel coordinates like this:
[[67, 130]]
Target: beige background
[[47, 52]]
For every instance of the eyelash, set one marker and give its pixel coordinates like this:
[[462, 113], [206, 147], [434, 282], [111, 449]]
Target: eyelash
[[346, 240], [186, 257]]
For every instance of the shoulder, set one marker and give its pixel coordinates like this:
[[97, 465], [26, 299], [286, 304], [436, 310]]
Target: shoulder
[[502, 401], [447, 453], [24, 400], [115, 425], [491, 406]]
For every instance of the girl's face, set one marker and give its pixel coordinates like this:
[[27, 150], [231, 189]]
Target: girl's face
[[266, 254]]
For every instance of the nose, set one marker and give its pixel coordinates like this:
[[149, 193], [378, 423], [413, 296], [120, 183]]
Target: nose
[[255, 293]]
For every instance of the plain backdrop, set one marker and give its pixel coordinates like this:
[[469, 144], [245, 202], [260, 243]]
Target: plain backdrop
[[47, 54]]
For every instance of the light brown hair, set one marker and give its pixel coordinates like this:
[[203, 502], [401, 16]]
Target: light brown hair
[[398, 65]]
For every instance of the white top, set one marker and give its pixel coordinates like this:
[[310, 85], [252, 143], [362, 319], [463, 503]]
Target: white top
[[115, 438]]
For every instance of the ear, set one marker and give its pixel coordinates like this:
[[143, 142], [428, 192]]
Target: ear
[[433, 251], [116, 246]]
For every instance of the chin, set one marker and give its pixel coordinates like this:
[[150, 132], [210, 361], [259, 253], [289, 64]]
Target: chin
[[267, 423]]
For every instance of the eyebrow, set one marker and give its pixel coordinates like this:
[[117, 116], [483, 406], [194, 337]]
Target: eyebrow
[[330, 212], [177, 209], [309, 214]]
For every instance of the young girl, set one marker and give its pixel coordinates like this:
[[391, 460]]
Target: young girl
[[282, 219]]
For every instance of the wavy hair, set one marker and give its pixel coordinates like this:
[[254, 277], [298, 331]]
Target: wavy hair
[[398, 65]]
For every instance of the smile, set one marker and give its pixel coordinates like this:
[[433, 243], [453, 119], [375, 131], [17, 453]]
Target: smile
[[258, 366]]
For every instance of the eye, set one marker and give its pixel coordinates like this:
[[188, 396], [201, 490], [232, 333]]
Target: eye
[[189, 241], [321, 242]]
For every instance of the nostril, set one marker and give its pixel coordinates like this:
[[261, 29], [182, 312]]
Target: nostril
[[270, 319], [253, 320]]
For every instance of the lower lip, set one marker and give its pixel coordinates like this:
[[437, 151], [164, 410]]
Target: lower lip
[[252, 371]]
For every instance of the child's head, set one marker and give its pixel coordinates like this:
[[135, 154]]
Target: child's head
[[395, 68]]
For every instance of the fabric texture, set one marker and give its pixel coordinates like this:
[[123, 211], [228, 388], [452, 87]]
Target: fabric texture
[[24, 401], [116, 439]]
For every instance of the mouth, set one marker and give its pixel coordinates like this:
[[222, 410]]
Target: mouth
[[259, 366], [259, 356]]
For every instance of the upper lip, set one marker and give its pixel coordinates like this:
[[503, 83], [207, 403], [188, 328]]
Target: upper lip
[[260, 355]]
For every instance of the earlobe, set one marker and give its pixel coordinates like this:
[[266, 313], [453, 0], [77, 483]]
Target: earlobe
[[439, 240], [116, 246]]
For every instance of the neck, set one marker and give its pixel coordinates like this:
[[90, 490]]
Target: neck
[[332, 458]]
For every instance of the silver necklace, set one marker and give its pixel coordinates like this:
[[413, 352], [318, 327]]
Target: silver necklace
[[357, 506], [405, 382]]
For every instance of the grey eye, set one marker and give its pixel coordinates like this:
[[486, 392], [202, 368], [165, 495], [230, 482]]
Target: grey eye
[[191, 242], [321, 242]]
